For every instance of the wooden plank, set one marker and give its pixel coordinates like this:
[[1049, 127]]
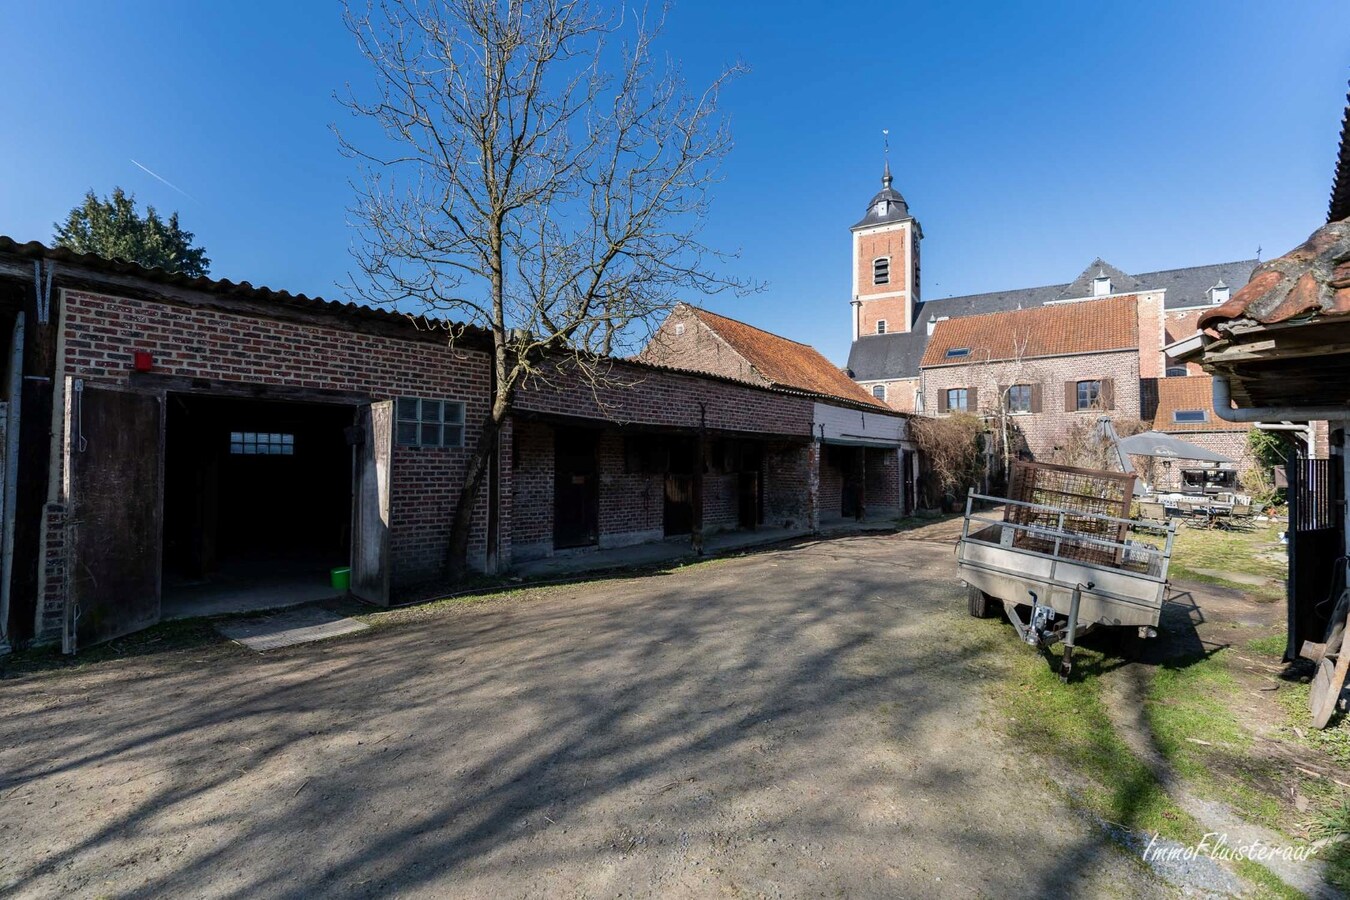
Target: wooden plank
[[158, 383]]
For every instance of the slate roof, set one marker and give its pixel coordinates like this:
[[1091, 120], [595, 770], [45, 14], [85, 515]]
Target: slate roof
[[887, 206], [1190, 392], [786, 363], [898, 355], [1094, 326]]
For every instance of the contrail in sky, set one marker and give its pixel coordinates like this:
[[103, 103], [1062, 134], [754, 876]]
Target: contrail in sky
[[165, 180]]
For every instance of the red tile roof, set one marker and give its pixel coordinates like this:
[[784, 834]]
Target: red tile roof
[[1311, 280], [1089, 326], [786, 363], [1189, 393]]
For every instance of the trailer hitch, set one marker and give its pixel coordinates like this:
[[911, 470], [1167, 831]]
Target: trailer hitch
[[1039, 630]]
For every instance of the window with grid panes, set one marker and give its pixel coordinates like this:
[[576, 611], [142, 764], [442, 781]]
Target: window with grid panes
[[429, 423]]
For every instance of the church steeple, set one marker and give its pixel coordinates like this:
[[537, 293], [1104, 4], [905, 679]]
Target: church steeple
[[885, 263]]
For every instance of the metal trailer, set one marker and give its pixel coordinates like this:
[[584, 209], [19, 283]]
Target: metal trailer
[[1058, 562]]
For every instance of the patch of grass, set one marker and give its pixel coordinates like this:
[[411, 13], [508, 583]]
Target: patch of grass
[[1334, 741], [1202, 555], [1270, 645], [166, 637], [1070, 725]]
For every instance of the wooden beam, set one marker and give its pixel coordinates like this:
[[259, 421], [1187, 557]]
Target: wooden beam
[[152, 382]]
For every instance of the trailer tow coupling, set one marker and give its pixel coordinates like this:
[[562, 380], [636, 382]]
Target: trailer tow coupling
[[1039, 630]]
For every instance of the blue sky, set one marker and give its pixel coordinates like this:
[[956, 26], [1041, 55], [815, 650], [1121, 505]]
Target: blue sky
[[1028, 138]]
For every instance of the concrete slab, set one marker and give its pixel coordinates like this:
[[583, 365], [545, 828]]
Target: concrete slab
[[241, 590], [289, 627]]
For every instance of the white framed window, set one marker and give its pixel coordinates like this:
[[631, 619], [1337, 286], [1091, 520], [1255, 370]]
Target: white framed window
[[879, 391], [1101, 286], [261, 443], [957, 399], [881, 326], [881, 270], [1089, 393], [429, 423], [1019, 398]]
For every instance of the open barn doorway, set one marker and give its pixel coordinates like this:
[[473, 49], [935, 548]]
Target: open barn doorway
[[257, 503]]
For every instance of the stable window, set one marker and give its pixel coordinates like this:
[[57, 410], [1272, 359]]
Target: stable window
[[1019, 398], [881, 270], [881, 326], [1089, 393], [879, 391], [430, 423], [1184, 416], [956, 399], [257, 443]]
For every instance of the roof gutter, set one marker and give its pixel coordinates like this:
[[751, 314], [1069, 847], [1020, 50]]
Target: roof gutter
[[1223, 408]]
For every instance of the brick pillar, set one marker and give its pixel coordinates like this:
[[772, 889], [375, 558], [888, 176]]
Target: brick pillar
[[813, 455]]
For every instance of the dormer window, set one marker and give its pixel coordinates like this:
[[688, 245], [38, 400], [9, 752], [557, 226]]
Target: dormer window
[[958, 352], [881, 326], [1219, 293], [1101, 285], [881, 270]]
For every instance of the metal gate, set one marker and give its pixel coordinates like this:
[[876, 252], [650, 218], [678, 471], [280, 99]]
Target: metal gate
[[1316, 542]]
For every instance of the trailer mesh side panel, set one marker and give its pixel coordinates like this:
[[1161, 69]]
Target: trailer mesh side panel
[[1084, 494]]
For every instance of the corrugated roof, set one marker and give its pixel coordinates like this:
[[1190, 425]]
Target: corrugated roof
[[1091, 326], [1312, 281], [223, 286], [784, 362], [1192, 392]]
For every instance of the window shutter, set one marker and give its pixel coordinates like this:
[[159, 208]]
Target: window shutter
[[1108, 393], [942, 400], [1035, 396], [972, 400], [1070, 396]]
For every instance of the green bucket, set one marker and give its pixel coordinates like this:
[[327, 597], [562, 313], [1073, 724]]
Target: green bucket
[[342, 578]]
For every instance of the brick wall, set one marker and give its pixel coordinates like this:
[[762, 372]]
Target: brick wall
[[882, 488], [638, 395], [787, 485], [531, 490], [877, 244], [893, 310], [101, 332], [632, 505], [899, 392], [684, 341], [830, 494], [1152, 334], [1043, 430]]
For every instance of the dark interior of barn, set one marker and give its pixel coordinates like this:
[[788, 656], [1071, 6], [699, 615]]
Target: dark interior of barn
[[257, 503]]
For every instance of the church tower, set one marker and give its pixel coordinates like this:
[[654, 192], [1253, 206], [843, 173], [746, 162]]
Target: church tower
[[885, 264]]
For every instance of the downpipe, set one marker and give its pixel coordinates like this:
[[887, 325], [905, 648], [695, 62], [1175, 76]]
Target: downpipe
[[1223, 408]]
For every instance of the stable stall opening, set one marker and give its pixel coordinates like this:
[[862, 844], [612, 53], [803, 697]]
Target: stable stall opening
[[257, 503]]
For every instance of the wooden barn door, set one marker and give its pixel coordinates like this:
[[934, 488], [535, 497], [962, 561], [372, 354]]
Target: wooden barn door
[[576, 489], [114, 488], [371, 507]]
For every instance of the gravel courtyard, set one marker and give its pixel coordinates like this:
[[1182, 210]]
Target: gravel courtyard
[[790, 723]]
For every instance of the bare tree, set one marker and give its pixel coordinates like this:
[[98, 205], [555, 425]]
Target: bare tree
[[995, 377], [533, 181]]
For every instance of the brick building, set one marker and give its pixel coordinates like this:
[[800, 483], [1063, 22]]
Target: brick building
[[179, 435], [895, 332], [865, 442]]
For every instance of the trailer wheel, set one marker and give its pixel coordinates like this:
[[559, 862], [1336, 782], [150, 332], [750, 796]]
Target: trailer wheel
[[980, 604]]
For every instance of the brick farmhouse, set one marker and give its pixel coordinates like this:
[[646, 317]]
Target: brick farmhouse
[[170, 435]]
